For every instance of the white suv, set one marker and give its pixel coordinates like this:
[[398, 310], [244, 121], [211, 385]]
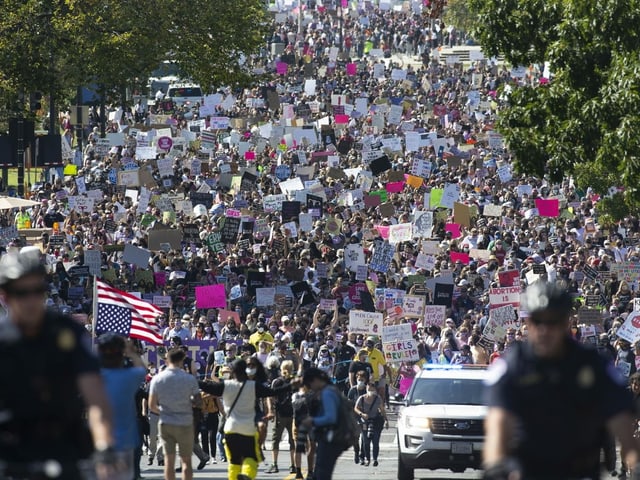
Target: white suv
[[441, 424]]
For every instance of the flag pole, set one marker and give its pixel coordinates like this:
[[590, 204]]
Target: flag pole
[[94, 321]]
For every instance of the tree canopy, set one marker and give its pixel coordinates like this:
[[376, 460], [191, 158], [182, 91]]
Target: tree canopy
[[117, 43], [585, 120]]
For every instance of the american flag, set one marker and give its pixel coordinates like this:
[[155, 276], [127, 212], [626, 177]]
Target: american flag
[[121, 312]]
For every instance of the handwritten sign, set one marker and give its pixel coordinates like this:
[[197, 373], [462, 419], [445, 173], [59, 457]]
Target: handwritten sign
[[398, 344], [366, 323]]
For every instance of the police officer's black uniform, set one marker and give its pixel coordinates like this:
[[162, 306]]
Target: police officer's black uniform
[[41, 411], [561, 406]]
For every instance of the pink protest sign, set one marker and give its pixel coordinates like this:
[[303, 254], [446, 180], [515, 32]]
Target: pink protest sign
[[340, 119], [383, 230], [352, 69], [458, 256], [548, 207], [225, 315], [211, 296], [281, 68], [165, 143], [394, 187], [454, 228], [249, 155]]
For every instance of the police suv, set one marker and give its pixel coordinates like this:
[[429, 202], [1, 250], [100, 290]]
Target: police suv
[[441, 421]]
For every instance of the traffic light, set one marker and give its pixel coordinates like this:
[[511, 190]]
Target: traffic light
[[35, 101]]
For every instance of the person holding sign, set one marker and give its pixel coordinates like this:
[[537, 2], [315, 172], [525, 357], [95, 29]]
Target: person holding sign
[[550, 400]]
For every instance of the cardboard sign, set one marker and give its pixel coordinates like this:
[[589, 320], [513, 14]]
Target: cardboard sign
[[398, 344], [137, 256], [434, 315], [413, 306], [366, 323], [158, 239]]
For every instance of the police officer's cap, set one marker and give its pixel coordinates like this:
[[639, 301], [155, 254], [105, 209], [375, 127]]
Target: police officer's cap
[[15, 265], [543, 296]]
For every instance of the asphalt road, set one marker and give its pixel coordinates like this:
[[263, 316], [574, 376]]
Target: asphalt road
[[346, 468]]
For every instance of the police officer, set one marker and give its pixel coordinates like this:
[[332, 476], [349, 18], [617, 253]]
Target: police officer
[[550, 400], [49, 377]]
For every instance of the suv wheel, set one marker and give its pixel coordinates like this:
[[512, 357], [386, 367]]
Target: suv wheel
[[404, 472]]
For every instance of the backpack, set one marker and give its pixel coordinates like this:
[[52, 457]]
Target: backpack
[[345, 432]]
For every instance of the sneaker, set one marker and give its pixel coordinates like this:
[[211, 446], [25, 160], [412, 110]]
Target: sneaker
[[161, 463], [179, 469], [375, 463], [299, 476], [273, 469], [150, 461], [214, 461], [203, 462], [292, 469]]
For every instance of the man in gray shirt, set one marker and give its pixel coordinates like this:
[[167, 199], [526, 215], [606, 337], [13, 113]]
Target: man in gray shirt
[[173, 394]]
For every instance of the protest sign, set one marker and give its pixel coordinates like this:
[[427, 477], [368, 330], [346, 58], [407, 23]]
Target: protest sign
[[137, 256], [500, 319], [382, 256], [211, 296], [366, 323], [328, 304], [265, 297], [434, 315], [413, 305], [93, 259], [630, 329], [398, 344], [504, 296]]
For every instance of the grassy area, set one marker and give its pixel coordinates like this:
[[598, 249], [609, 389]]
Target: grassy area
[[34, 177]]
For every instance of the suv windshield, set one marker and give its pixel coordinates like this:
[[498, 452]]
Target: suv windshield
[[446, 391]]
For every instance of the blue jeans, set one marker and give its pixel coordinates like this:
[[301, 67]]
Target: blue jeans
[[371, 436], [326, 457]]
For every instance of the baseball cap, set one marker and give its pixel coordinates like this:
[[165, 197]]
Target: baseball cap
[[15, 265]]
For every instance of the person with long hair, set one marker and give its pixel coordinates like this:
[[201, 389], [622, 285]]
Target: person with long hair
[[239, 394]]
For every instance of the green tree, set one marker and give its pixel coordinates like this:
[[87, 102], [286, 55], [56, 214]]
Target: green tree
[[458, 14], [214, 40], [585, 121]]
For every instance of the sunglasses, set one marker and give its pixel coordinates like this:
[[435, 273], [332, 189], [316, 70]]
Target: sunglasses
[[27, 292]]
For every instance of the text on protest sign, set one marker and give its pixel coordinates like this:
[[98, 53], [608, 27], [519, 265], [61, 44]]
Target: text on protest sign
[[366, 323], [398, 344]]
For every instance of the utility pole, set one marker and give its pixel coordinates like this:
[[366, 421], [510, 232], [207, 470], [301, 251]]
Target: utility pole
[[20, 154]]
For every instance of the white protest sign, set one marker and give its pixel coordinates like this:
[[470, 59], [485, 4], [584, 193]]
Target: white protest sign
[[491, 210], [434, 315], [450, 195], [93, 259], [273, 203], [265, 297], [354, 257], [504, 296], [413, 305], [328, 304], [398, 344], [136, 255], [499, 320], [366, 323], [401, 232], [630, 329], [162, 301]]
